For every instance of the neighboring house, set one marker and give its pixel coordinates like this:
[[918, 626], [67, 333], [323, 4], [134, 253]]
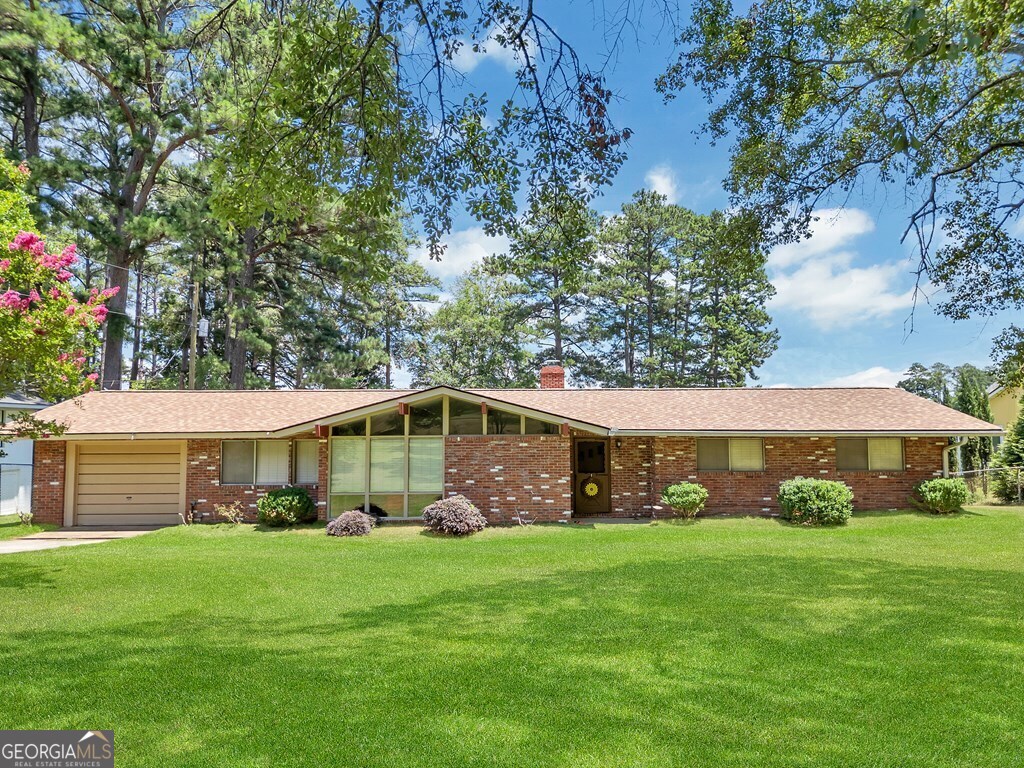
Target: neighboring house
[[1005, 405], [146, 456], [16, 463]]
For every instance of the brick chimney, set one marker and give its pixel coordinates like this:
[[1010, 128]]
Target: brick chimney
[[552, 377]]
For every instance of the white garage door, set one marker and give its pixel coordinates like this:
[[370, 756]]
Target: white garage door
[[129, 483]]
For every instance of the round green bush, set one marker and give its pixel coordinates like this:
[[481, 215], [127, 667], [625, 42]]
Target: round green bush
[[815, 502], [942, 496], [685, 499], [285, 506]]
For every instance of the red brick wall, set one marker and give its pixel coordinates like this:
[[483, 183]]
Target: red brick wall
[[632, 464], [202, 483], [48, 481], [509, 475], [786, 458]]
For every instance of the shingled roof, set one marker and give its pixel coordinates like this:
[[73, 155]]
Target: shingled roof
[[163, 413]]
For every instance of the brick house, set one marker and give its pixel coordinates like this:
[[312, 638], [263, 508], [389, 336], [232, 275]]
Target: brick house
[[548, 454]]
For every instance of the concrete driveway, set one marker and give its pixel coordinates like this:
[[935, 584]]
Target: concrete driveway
[[70, 537]]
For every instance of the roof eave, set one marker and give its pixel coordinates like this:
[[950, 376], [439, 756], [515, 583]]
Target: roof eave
[[431, 393], [805, 433]]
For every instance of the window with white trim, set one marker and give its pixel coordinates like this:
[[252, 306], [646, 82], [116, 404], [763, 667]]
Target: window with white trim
[[736, 454], [855, 454], [306, 469], [255, 462]]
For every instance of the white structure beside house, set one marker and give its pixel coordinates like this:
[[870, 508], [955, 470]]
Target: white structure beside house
[[16, 463]]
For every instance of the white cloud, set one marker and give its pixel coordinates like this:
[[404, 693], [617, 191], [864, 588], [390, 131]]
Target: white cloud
[[817, 279], [834, 228], [876, 376], [662, 179], [464, 249], [489, 49]]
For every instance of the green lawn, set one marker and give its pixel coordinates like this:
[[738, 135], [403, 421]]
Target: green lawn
[[895, 641], [11, 527]]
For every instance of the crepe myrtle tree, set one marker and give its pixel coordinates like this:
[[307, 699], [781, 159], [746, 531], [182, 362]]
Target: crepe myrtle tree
[[48, 334]]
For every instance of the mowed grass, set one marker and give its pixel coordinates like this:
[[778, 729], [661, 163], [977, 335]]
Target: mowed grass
[[11, 527], [895, 641]]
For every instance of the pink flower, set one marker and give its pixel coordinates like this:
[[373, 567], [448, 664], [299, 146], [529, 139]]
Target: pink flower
[[100, 313], [23, 169], [28, 241], [63, 275], [13, 300], [55, 293], [70, 309], [93, 376], [5, 264], [33, 296]]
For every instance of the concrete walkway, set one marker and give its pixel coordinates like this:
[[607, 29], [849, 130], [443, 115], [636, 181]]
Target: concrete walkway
[[70, 537]]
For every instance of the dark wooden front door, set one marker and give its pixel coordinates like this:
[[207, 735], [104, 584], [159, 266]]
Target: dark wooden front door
[[591, 477]]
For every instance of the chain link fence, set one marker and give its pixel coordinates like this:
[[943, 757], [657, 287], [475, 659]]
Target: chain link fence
[[980, 480]]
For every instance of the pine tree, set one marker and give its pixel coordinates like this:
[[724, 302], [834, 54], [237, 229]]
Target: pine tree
[[971, 398], [551, 258], [1007, 482], [479, 338]]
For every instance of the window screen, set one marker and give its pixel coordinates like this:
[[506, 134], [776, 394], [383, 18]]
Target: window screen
[[746, 454], [426, 469], [387, 465], [348, 465], [851, 453], [885, 453], [236, 461], [712, 453], [307, 462], [272, 462]]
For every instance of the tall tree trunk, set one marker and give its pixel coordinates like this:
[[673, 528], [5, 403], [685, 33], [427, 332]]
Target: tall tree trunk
[[30, 98], [556, 308], [137, 335], [239, 349], [113, 335]]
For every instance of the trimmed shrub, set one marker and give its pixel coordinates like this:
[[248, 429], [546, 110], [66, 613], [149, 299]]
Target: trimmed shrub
[[285, 506], [685, 499], [816, 502], [456, 515], [352, 523], [941, 496]]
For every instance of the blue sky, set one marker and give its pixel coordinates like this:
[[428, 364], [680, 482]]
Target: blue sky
[[845, 297]]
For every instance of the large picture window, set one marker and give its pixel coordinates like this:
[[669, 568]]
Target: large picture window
[[394, 460], [722, 454], [869, 453]]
